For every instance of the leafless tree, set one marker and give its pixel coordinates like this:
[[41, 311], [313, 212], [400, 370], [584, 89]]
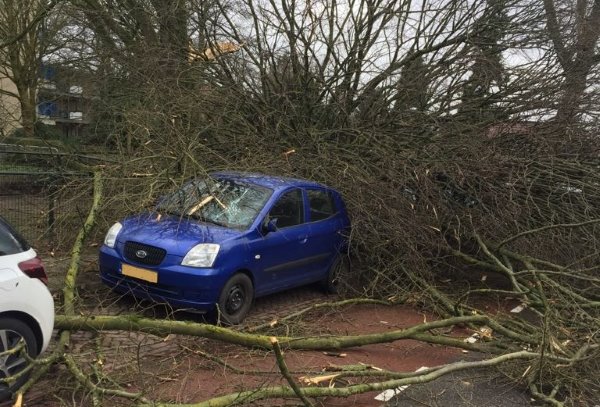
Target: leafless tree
[[25, 31]]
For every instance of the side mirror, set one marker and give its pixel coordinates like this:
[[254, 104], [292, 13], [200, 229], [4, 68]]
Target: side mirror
[[269, 225]]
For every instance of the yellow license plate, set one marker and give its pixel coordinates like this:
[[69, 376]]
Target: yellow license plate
[[142, 274]]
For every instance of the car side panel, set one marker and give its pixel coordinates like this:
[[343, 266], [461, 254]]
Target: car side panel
[[280, 258], [323, 246]]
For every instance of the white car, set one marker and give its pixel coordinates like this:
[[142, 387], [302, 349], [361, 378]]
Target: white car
[[26, 309]]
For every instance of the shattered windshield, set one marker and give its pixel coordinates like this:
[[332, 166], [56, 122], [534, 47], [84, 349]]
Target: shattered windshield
[[222, 202]]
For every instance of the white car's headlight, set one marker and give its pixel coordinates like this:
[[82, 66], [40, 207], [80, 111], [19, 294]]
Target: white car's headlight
[[201, 255], [111, 235]]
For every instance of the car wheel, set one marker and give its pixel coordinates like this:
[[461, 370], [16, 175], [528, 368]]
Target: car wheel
[[339, 270], [235, 300], [14, 334]]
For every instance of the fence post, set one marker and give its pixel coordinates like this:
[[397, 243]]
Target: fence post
[[51, 210]]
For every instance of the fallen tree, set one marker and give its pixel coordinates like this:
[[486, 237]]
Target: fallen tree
[[549, 350], [166, 327]]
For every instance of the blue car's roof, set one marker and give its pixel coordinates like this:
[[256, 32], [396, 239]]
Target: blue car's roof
[[269, 181]]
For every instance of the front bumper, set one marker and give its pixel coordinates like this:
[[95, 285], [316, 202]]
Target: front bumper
[[179, 286]]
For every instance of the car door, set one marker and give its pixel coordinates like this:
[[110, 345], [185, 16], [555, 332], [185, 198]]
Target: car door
[[325, 226], [280, 253]]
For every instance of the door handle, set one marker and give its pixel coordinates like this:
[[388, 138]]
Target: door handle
[[303, 239]]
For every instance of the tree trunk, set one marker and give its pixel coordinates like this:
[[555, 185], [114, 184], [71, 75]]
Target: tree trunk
[[576, 60], [165, 327], [573, 91], [28, 120], [27, 101]]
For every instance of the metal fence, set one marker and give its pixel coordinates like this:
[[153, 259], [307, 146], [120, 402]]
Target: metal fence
[[41, 195]]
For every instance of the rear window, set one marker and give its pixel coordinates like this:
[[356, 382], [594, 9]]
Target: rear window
[[10, 241]]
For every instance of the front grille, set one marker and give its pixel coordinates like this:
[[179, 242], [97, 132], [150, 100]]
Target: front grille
[[154, 255]]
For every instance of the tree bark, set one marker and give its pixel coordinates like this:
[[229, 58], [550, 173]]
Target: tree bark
[[576, 60], [28, 111]]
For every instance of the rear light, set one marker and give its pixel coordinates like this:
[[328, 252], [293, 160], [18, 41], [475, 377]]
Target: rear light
[[34, 268]]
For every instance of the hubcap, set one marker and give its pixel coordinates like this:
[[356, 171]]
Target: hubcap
[[235, 299], [12, 348]]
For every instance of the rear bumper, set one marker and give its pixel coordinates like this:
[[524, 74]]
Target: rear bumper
[[179, 286]]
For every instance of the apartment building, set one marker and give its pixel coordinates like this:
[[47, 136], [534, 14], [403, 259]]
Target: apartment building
[[62, 101]]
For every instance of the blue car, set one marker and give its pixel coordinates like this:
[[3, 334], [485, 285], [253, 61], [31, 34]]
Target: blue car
[[217, 243]]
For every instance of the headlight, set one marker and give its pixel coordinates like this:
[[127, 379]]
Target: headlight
[[201, 255], [111, 235]]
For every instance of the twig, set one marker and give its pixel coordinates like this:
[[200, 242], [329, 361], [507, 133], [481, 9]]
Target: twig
[[543, 397], [87, 382], [285, 372], [314, 307], [508, 272], [543, 228]]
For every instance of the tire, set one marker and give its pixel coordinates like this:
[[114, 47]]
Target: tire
[[339, 270], [235, 300], [12, 331]]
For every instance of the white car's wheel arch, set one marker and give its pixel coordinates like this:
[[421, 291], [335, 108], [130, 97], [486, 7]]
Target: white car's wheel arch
[[31, 322]]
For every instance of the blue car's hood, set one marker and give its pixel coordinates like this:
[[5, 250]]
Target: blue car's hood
[[174, 234]]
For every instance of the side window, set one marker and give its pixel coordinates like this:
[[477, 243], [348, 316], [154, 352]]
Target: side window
[[10, 241], [321, 204], [289, 209]]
